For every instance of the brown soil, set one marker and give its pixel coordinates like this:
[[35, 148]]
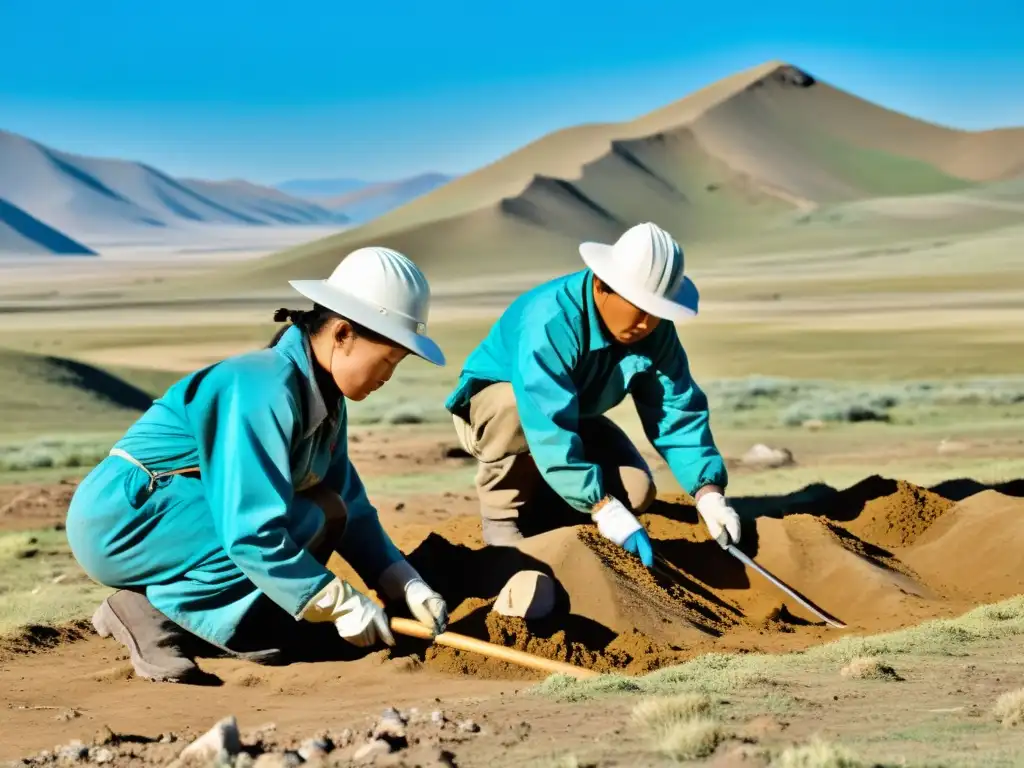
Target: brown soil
[[29, 506], [885, 513], [879, 556]]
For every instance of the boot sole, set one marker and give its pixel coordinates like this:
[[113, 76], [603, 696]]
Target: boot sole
[[107, 624]]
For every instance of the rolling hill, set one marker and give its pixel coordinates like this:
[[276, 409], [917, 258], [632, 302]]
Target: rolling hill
[[375, 200], [23, 233], [736, 158], [85, 198], [53, 394]]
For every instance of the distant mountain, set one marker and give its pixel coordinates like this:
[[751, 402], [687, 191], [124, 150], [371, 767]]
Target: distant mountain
[[86, 197], [23, 233], [314, 188], [377, 199], [746, 156]]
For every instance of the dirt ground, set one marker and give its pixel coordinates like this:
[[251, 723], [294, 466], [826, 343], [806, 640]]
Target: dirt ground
[[880, 556]]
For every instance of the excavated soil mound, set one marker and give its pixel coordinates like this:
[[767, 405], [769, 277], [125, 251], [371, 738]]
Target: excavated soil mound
[[882, 512], [880, 555]]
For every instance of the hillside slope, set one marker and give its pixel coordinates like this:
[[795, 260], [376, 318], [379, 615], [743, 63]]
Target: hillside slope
[[735, 158], [377, 199], [42, 394], [24, 234], [86, 197]]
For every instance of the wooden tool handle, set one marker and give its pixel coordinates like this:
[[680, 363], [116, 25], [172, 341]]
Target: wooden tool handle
[[491, 650]]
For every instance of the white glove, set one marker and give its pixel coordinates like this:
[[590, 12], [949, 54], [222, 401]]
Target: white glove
[[357, 618], [615, 522], [718, 516], [401, 580]]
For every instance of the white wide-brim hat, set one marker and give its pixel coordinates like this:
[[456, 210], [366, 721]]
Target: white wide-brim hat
[[645, 266], [382, 290]]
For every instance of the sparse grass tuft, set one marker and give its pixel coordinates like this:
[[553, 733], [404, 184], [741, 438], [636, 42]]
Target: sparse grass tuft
[[691, 739], [867, 668], [717, 673], [1009, 708], [52, 453], [816, 754], [659, 714], [40, 582], [679, 726]]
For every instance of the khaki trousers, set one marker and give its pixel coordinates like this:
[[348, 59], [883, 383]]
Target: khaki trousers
[[510, 486]]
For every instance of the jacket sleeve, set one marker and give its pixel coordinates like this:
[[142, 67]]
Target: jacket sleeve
[[546, 399], [244, 433], [365, 545], [674, 413]]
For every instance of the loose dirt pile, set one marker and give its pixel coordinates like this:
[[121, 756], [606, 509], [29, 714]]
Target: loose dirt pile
[[880, 555]]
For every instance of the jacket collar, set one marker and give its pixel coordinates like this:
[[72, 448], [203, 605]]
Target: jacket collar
[[598, 338], [294, 345]]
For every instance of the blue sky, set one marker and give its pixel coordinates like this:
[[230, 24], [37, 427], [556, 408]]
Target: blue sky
[[270, 91]]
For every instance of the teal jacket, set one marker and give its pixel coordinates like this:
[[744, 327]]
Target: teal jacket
[[551, 346], [258, 430]]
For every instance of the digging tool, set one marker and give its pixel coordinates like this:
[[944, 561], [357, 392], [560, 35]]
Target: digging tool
[[465, 643], [732, 549]]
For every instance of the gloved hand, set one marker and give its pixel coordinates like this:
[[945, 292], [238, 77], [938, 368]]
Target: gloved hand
[[400, 580], [357, 618], [722, 521], [620, 526]]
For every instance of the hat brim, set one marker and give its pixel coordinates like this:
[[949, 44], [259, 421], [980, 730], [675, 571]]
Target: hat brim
[[681, 306], [359, 311]]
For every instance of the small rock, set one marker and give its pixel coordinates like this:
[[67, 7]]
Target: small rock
[[315, 748], [68, 715], [527, 594], [343, 738], [278, 760], [168, 738], [103, 755], [437, 717], [814, 424], [765, 457], [223, 737], [468, 726], [75, 750], [391, 728], [371, 750]]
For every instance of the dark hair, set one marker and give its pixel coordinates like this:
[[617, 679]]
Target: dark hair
[[312, 321], [603, 287]]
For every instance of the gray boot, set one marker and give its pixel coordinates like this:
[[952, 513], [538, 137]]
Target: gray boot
[[500, 533], [154, 641]]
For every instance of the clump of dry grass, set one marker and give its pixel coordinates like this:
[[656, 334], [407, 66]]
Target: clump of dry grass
[[680, 726], [815, 754], [869, 668], [1009, 708]]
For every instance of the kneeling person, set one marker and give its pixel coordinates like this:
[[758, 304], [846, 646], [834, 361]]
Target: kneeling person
[[531, 399]]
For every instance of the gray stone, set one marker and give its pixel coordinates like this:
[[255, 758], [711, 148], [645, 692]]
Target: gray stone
[[762, 456], [527, 595], [278, 760], [103, 755], [317, 747], [371, 750], [222, 738], [468, 726], [74, 750], [437, 717]]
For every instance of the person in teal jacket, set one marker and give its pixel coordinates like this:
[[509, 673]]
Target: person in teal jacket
[[531, 399], [215, 514]]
